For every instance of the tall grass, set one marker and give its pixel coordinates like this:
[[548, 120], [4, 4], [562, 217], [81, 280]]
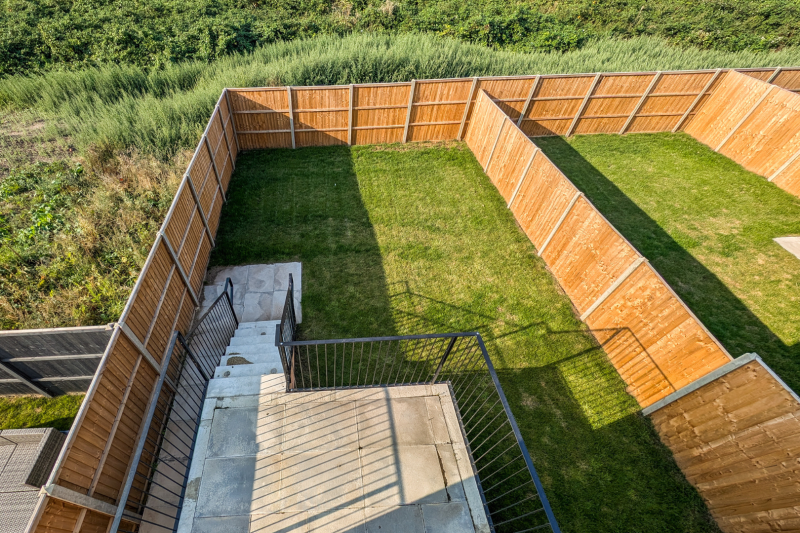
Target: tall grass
[[162, 111]]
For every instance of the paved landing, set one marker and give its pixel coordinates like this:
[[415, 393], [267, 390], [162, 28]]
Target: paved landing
[[790, 244], [387, 460], [259, 291]]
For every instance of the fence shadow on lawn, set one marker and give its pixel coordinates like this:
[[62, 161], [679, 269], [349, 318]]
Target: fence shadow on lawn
[[725, 315]]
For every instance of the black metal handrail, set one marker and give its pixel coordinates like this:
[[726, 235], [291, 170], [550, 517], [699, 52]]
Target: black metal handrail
[[512, 493], [213, 330], [155, 488]]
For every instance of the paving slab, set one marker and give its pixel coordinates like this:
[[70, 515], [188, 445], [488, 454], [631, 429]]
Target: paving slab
[[246, 431], [790, 244], [260, 278], [321, 480], [226, 524], [320, 426], [406, 519], [402, 475], [399, 421], [281, 522], [282, 271], [337, 521], [448, 518]]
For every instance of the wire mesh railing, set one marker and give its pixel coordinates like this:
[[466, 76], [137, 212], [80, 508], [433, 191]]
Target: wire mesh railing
[[513, 496], [156, 484]]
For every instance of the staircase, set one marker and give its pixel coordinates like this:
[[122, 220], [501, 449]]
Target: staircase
[[251, 352]]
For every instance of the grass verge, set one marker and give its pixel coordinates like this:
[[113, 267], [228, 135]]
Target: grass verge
[[404, 239], [706, 224], [36, 412]]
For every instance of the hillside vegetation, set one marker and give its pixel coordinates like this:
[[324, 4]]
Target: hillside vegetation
[[72, 238], [42, 34]]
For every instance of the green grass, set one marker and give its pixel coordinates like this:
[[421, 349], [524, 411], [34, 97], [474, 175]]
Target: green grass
[[114, 107], [706, 225], [41, 35], [29, 412], [404, 239]]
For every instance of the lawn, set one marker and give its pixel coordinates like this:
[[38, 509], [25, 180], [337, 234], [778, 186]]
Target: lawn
[[706, 225], [37, 412], [405, 239]]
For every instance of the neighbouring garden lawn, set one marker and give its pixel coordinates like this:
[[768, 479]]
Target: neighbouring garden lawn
[[405, 239], [37, 412], [706, 225]]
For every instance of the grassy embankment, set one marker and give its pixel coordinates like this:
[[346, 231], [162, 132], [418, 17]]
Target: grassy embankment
[[706, 224], [406, 239], [36, 35]]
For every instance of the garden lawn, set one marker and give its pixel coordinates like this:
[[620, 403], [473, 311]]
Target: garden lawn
[[707, 225], [408, 239], [37, 412]]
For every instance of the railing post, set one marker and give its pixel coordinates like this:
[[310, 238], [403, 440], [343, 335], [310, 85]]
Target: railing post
[[444, 359]]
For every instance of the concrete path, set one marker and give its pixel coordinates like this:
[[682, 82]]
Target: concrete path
[[382, 460], [259, 291]]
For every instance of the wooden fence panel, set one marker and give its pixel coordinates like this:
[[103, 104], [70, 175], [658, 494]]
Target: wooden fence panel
[[755, 124], [737, 440], [788, 79], [484, 128], [652, 339], [261, 118], [587, 255], [321, 115], [379, 112], [510, 159], [542, 198], [733, 99], [555, 104], [438, 108], [769, 136]]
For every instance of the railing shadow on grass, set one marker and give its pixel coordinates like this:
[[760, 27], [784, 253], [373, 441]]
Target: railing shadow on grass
[[728, 318]]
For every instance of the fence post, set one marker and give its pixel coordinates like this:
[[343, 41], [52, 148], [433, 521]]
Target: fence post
[[522, 178], [583, 104], [560, 221], [408, 112], [639, 105], [350, 117], [697, 100], [214, 167], [528, 101], [494, 146], [444, 359], [466, 108], [291, 114], [774, 74], [233, 123], [784, 166]]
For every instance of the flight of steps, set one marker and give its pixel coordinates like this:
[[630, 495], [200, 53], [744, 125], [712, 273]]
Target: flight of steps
[[251, 352]]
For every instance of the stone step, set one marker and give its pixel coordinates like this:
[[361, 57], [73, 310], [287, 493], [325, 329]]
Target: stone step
[[252, 349], [259, 324], [262, 340], [255, 332], [240, 371], [245, 385], [269, 359]]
